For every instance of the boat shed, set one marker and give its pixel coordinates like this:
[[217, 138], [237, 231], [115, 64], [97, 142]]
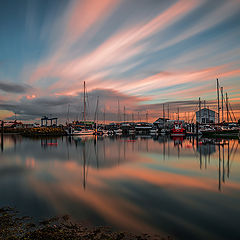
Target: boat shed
[[205, 115]]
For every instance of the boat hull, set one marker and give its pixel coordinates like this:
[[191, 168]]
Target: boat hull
[[178, 134]]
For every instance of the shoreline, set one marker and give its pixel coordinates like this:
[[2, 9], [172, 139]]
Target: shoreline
[[14, 226]]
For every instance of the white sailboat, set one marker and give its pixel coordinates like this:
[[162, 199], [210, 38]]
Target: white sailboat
[[81, 131]]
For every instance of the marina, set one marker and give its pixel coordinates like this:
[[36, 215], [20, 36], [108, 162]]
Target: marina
[[119, 120]]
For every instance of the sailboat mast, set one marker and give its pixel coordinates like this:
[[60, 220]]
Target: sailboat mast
[[119, 111], [84, 102], [218, 101], [104, 115], [199, 103], [222, 102], [163, 117], [68, 114], [178, 114], [168, 111], [227, 107], [96, 113]]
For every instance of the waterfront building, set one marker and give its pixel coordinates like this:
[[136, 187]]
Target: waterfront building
[[205, 115]]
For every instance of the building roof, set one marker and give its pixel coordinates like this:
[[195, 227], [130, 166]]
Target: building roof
[[205, 109], [161, 120]]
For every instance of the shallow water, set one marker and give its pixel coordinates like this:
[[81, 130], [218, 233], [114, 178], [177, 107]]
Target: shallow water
[[181, 187]]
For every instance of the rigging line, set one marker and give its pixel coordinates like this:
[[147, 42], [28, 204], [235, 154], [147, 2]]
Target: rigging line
[[232, 149], [231, 161], [228, 105], [232, 112], [96, 152], [88, 106], [96, 110], [196, 106]]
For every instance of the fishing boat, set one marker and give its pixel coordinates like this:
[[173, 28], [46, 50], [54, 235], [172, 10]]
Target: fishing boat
[[178, 130]]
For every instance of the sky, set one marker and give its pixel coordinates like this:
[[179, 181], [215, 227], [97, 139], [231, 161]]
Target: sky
[[140, 53]]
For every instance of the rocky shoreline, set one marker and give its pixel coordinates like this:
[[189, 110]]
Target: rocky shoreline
[[13, 226]]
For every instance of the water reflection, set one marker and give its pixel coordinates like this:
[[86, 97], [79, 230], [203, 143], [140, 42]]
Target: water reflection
[[142, 184], [1, 142]]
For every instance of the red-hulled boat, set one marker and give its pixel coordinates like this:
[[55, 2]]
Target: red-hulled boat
[[178, 130]]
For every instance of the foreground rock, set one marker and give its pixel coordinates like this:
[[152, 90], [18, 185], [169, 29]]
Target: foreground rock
[[13, 227]]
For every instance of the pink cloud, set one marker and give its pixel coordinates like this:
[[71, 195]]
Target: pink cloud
[[117, 49], [84, 14]]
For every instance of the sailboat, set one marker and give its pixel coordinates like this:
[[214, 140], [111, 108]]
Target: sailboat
[[81, 131]]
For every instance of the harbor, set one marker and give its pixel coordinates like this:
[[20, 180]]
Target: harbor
[[205, 122], [119, 120]]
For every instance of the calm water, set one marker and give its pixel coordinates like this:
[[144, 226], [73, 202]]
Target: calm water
[[180, 187]]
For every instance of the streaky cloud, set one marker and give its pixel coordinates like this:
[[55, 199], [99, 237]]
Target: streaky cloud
[[14, 87]]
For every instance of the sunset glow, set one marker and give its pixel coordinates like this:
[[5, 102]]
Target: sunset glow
[[140, 53]]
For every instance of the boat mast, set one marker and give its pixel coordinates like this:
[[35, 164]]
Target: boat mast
[[178, 114], [84, 103], [104, 115], [96, 112], [68, 114], [227, 107], [163, 117], [168, 110], [222, 102], [199, 105], [218, 101], [119, 111]]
